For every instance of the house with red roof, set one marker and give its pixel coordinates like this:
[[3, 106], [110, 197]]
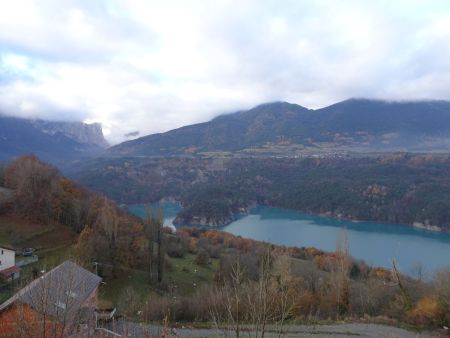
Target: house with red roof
[[60, 303]]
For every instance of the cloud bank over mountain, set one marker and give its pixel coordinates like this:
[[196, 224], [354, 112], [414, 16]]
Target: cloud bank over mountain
[[151, 66]]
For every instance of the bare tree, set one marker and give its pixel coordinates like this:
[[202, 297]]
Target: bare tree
[[153, 227], [442, 282], [226, 310], [108, 221], [268, 299], [405, 296], [418, 271], [284, 293], [260, 298], [340, 274], [218, 311], [233, 305]]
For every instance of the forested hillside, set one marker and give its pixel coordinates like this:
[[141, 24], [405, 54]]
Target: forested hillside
[[359, 124], [42, 196], [395, 188]]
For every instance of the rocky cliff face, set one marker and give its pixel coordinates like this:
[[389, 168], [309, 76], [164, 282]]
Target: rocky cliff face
[[59, 143], [90, 134], [212, 221]]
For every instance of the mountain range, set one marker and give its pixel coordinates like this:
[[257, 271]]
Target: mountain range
[[397, 187], [356, 125], [55, 142], [359, 124]]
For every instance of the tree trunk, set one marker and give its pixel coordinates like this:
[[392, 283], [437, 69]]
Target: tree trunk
[[160, 255]]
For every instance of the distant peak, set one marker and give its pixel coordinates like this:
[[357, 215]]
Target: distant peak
[[268, 107], [273, 103], [278, 104]]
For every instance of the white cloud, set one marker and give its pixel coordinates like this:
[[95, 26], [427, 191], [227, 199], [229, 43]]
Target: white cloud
[[152, 66]]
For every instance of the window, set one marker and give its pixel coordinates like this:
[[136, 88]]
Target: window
[[61, 305], [71, 294]]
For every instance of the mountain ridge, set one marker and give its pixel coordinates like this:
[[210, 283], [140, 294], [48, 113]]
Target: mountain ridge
[[367, 123], [56, 142]]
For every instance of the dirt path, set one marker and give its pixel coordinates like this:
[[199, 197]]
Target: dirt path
[[329, 331]]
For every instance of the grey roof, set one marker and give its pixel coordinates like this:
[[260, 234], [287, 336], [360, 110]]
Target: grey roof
[[7, 247], [59, 293], [6, 194]]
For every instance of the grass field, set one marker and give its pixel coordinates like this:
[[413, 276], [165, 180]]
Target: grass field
[[21, 233], [183, 278], [187, 276], [54, 245]]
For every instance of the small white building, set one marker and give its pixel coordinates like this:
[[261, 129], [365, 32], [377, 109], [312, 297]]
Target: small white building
[[8, 268]]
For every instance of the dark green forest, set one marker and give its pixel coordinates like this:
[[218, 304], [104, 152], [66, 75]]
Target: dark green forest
[[394, 188]]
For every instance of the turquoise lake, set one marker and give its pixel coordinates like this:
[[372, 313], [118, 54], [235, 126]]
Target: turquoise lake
[[375, 243]]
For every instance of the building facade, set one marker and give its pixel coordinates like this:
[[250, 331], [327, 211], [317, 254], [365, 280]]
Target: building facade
[[8, 268]]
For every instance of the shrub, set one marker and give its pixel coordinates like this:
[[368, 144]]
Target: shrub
[[427, 312], [175, 249], [202, 257]]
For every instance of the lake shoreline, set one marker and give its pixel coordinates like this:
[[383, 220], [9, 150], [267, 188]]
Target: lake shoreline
[[242, 211], [245, 210], [375, 243]]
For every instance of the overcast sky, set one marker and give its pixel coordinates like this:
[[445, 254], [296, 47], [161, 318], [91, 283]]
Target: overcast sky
[[151, 66]]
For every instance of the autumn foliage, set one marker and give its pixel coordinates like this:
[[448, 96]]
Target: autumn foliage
[[42, 194], [107, 233], [255, 282]]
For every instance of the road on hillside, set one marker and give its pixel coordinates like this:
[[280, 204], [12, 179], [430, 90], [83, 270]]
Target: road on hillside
[[129, 329]]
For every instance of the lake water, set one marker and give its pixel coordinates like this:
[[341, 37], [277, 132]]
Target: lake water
[[375, 243]]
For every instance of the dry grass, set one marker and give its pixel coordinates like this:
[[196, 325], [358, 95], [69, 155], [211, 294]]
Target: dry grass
[[19, 232]]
